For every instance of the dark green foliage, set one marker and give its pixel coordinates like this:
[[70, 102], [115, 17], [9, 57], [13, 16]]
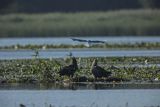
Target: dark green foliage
[[123, 22], [150, 3], [5, 3], [41, 6], [46, 70]]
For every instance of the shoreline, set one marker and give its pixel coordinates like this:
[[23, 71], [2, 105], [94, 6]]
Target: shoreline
[[124, 46], [78, 86]]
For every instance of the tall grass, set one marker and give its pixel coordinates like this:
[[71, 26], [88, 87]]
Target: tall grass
[[123, 22]]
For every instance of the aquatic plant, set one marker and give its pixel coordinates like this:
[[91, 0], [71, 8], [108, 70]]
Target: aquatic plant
[[142, 45], [94, 104], [46, 70]]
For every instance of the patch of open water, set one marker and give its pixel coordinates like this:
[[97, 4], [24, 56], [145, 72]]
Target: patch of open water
[[28, 54], [68, 40]]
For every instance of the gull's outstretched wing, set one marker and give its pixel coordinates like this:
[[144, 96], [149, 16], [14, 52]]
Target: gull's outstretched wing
[[79, 40], [96, 41], [89, 41]]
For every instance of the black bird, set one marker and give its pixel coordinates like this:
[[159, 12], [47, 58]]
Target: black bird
[[99, 72], [70, 69], [22, 105]]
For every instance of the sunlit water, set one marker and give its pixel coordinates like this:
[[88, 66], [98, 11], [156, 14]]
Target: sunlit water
[[80, 95], [80, 98], [28, 54], [68, 40]]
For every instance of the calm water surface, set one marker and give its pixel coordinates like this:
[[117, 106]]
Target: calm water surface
[[90, 97], [68, 40], [81, 98], [80, 95], [28, 54]]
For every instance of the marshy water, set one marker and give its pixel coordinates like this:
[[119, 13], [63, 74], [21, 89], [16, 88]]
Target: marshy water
[[86, 95], [79, 95], [61, 53]]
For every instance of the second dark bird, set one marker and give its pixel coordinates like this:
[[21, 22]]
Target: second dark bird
[[70, 69], [98, 71]]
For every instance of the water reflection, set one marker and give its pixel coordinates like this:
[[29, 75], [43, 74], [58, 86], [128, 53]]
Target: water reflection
[[79, 86]]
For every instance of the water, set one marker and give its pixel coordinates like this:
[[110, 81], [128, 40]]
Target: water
[[80, 95], [81, 98], [28, 54], [61, 53], [84, 95], [68, 40]]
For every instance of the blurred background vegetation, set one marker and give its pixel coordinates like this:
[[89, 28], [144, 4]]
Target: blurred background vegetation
[[50, 18], [43, 6]]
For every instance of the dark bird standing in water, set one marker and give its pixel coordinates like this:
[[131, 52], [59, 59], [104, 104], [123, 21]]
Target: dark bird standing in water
[[70, 69], [22, 105], [99, 72], [36, 53]]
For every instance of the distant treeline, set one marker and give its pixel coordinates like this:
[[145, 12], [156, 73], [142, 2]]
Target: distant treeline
[[38, 6], [121, 22]]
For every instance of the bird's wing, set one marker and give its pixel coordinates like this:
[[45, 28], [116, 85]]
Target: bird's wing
[[68, 68], [96, 41], [100, 69], [64, 70], [79, 40], [91, 41], [104, 72]]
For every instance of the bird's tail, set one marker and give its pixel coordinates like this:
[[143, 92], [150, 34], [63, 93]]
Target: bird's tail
[[107, 74]]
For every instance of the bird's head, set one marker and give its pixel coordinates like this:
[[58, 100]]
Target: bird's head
[[74, 62]]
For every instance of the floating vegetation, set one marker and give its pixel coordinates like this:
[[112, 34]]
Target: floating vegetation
[[91, 105], [46, 70], [142, 45]]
